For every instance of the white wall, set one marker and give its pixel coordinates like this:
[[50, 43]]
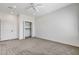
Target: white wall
[[61, 25], [12, 26], [8, 26], [25, 18]]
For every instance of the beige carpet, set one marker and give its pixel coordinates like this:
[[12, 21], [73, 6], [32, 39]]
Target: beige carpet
[[34, 46]]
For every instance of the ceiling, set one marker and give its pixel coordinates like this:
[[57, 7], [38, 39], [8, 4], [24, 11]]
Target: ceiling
[[21, 8]]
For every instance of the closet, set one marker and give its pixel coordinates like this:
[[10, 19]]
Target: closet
[[27, 29], [8, 27]]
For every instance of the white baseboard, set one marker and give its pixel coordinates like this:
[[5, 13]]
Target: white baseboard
[[62, 42]]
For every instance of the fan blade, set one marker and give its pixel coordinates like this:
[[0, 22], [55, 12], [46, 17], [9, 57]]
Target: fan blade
[[39, 4], [10, 7], [36, 5], [37, 10], [32, 4]]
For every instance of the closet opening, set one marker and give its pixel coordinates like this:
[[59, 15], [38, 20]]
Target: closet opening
[[27, 29]]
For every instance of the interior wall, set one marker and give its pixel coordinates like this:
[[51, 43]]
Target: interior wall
[[61, 25], [25, 18], [8, 26], [12, 26], [0, 29]]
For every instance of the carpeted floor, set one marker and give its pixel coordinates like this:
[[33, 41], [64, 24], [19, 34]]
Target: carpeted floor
[[34, 46]]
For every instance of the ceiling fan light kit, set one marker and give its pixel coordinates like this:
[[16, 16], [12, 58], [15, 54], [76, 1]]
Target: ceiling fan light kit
[[12, 9]]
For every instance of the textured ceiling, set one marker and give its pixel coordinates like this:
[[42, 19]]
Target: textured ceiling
[[42, 10]]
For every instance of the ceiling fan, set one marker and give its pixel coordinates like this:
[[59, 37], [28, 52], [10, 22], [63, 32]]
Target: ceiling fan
[[34, 6], [12, 9]]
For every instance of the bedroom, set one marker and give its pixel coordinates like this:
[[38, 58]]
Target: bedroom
[[39, 28]]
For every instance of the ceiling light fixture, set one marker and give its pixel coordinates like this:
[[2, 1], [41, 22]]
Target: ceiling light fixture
[[34, 6], [12, 9]]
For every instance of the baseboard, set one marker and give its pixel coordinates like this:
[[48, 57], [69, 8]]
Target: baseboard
[[43, 39], [10, 39], [57, 42]]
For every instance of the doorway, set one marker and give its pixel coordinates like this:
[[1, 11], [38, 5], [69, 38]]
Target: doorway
[[27, 29]]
